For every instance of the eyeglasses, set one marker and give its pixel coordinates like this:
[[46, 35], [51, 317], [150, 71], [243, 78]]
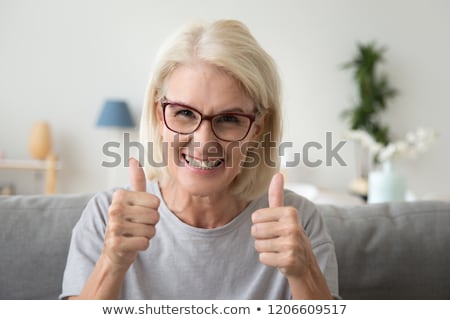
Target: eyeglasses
[[227, 126]]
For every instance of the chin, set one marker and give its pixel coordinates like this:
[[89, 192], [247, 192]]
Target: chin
[[201, 183]]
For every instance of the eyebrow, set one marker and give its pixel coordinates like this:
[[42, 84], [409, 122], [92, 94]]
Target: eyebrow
[[227, 110], [233, 109]]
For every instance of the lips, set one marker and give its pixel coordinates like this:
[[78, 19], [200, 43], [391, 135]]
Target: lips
[[202, 164]]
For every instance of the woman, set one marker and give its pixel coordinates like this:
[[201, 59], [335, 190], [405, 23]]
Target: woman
[[215, 222]]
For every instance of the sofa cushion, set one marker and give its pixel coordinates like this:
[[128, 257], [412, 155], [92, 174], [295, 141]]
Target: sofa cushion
[[35, 233], [392, 251]]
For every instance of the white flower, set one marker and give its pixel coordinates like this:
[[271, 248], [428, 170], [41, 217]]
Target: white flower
[[415, 142], [365, 139], [387, 152]]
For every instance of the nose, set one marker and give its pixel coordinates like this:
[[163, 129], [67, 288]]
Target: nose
[[206, 142], [204, 133]]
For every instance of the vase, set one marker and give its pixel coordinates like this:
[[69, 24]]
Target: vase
[[386, 185], [40, 141]]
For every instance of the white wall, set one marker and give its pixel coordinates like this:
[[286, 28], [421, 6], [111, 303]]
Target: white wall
[[60, 59]]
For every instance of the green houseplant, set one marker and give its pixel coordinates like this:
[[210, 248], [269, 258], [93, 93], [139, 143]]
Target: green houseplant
[[374, 92], [372, 140]]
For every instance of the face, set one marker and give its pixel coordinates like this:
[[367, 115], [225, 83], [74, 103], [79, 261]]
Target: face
[[200, 163]]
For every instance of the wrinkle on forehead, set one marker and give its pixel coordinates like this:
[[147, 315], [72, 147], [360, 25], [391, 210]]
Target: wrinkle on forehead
[[206, 87]]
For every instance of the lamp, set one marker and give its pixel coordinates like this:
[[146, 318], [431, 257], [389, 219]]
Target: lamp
[[115, 113]]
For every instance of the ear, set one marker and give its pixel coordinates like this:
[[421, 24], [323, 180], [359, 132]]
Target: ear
[[160, 117], [259, 125], [159, 112]]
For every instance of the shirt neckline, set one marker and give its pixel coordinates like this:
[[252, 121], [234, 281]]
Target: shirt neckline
[[153, 187]]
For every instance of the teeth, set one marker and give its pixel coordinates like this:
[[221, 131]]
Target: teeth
[[205, 164]]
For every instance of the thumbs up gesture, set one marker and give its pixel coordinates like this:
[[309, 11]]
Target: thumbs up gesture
[[279, 236], [132, 217]]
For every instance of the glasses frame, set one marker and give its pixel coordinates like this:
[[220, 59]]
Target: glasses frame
[[165, 102]]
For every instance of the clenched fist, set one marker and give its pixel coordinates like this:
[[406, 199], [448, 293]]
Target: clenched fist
[[279, 236], [132, 217]]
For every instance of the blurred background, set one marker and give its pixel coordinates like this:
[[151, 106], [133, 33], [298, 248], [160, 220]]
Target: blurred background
[[60, 61]]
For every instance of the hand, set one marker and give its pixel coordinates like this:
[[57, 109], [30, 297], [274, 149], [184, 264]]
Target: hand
[[279, 236], [132, 217]]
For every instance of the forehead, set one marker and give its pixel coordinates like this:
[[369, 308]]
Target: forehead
[[206, 87]]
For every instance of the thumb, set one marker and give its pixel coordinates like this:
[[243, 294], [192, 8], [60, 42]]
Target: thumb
[[137, 176], [276, 191]]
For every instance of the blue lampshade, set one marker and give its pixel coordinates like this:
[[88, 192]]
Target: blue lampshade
[[115, 113]]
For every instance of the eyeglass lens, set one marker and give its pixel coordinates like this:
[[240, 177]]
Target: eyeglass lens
[[226, 126]]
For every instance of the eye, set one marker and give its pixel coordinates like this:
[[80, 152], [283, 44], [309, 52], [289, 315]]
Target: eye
[[185, 113], [180, 112], [228, 118]]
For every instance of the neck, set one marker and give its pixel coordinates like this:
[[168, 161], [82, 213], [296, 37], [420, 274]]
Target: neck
[[202, 211]]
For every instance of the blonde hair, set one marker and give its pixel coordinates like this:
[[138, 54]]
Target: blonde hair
[[229, 46]]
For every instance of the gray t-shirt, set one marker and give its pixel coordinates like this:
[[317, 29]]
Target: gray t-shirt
[[184, 262]]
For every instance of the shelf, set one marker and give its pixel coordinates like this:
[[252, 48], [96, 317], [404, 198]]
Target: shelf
[[26, 164], [50, 166]]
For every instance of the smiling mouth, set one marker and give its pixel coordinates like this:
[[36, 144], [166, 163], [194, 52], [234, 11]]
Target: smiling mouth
[[202, 164]]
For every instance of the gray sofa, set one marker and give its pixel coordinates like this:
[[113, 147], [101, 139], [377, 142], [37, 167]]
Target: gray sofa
[[384, 251]]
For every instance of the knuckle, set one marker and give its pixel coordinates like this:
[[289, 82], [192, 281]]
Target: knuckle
[[254, 216], [156, 201], [148, 217], [292, 230], [120, 195], [259, 211], [143, 244], [263, 258], [292, 213], [258, 245], [156, 216], [151, 232], [254, 230], [115, 227], [288, 244], [116, 210]]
